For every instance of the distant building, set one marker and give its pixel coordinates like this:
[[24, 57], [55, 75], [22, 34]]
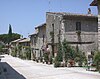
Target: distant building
[[14, 44], [78, 29], [25, 47], [38, 41], [25, 42]]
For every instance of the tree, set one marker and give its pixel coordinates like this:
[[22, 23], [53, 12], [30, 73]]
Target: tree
[[73, 55], [9, 34], [14, 51], [28, 52], [67, 51], [80, 58], [10, 29], [59, 57], [52, 42], [69, 54], [4, 37]]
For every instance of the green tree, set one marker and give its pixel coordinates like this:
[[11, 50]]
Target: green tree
[[69, 54], [4, 37], [59, 56], [73, 55], [28, 53], [14, 51], [80, 58], [9, 34], [10, 29], [52, 42], [67, 51], [46, 58], [2, 45]]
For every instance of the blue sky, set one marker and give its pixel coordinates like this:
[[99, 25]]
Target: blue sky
[[24, 15]]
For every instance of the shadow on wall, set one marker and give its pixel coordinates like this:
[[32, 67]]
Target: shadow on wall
[[7, 72]]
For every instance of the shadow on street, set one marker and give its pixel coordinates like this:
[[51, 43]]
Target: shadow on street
[[7, 72]]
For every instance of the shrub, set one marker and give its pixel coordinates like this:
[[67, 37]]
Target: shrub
[[97, 60], [59, 57], [67, 52], [46, 58], [14, 54], [51, 60], [57, 64], [27, 53]]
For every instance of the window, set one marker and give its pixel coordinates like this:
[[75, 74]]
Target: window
[[78, 26], [53, 27]]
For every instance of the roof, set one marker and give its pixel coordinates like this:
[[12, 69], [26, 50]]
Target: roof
[[39, 26], [94, 3], [73, 14], [43, 24], [25, 40], [17, 40], [33, 34]]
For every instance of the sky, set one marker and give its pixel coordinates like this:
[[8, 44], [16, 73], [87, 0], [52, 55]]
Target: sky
[[24, 15]]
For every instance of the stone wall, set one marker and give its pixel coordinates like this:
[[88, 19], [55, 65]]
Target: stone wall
[[89, 29], [37, 41]]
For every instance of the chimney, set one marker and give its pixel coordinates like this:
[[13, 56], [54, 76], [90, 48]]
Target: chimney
[[89, 11]]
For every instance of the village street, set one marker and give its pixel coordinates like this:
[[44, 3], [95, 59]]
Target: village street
[[16, 68]]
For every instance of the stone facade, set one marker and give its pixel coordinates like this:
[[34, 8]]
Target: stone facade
[[14, 44], [67, 23], [25, 44], [38, 41], [97, 3]]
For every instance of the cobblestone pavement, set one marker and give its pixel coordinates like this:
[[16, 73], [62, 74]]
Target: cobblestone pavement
[[27, 69]]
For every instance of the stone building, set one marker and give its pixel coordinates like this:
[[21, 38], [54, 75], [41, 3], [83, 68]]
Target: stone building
[[38, 41], [14, 44], [97, 3], [25, 46], [25, 42], [78, 29]]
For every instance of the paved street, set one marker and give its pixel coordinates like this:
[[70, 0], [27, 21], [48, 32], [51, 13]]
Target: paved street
[[25, 69]]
